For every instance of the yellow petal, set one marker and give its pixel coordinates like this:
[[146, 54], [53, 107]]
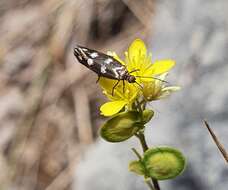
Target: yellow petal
[[111, 108], [159, 67], [108, 84], [136, 50]]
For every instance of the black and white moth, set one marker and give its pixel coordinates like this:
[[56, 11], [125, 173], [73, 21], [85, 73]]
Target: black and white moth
[[106, 66], [103, 65]]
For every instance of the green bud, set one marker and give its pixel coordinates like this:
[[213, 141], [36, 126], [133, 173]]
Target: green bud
[[163, 162], [121, 127], [147, 115], [136, 167]]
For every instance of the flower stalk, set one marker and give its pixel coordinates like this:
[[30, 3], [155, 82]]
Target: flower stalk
[[129, 115], [144, 145]]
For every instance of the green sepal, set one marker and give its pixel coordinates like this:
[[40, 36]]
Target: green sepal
[[147, 116], [121, 127], [137, 167], [163, 162]]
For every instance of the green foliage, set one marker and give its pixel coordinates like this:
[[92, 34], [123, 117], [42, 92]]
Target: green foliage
[[159, 163], [164, 162], [121, 127]]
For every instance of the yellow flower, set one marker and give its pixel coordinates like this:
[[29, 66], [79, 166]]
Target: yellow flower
[[120, 98], [156, 89], [153, 84], [138, 63], [137, 59]]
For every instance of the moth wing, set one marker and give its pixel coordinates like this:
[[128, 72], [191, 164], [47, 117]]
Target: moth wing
[[102, 64]]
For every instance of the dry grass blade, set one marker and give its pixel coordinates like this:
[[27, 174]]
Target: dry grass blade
[[51, 119], [144, 16], [219, 145], [82, 115], [62, 180]]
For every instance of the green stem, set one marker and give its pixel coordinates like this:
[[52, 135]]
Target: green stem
[[150, 185], [140, 158], [139, 106], [142, 140], [136, 153]]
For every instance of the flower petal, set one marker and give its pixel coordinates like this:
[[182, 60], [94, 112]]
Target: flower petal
[[168, 90], [136, 50], [160, 66], [108, 84], [111, 108]]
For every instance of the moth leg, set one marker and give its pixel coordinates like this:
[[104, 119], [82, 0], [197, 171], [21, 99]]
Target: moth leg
[[115, 87], [98, 78], [123, 86]]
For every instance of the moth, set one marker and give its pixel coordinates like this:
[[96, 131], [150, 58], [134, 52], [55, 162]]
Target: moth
[[105, 66]]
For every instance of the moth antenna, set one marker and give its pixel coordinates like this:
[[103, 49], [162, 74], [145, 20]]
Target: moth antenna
[[153, 78], [139, 85], [135, 70]]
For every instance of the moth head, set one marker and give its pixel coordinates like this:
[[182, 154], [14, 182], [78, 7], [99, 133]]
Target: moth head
[[131, 79]]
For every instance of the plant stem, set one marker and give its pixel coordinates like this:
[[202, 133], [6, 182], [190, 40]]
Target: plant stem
[[140, 158], [150, 185], [136, 153], [142, 140]]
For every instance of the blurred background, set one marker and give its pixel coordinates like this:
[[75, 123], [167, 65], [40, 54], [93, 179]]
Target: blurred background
[[49, 103]]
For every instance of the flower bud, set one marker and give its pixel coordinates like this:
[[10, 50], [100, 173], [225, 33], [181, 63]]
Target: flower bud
[[152, 90]]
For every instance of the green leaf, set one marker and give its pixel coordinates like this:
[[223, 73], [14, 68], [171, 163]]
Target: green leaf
[[163, 162], [147, 115], [136, 167], [121, 127]]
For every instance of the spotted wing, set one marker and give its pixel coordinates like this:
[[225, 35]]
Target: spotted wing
[[102, 64]]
